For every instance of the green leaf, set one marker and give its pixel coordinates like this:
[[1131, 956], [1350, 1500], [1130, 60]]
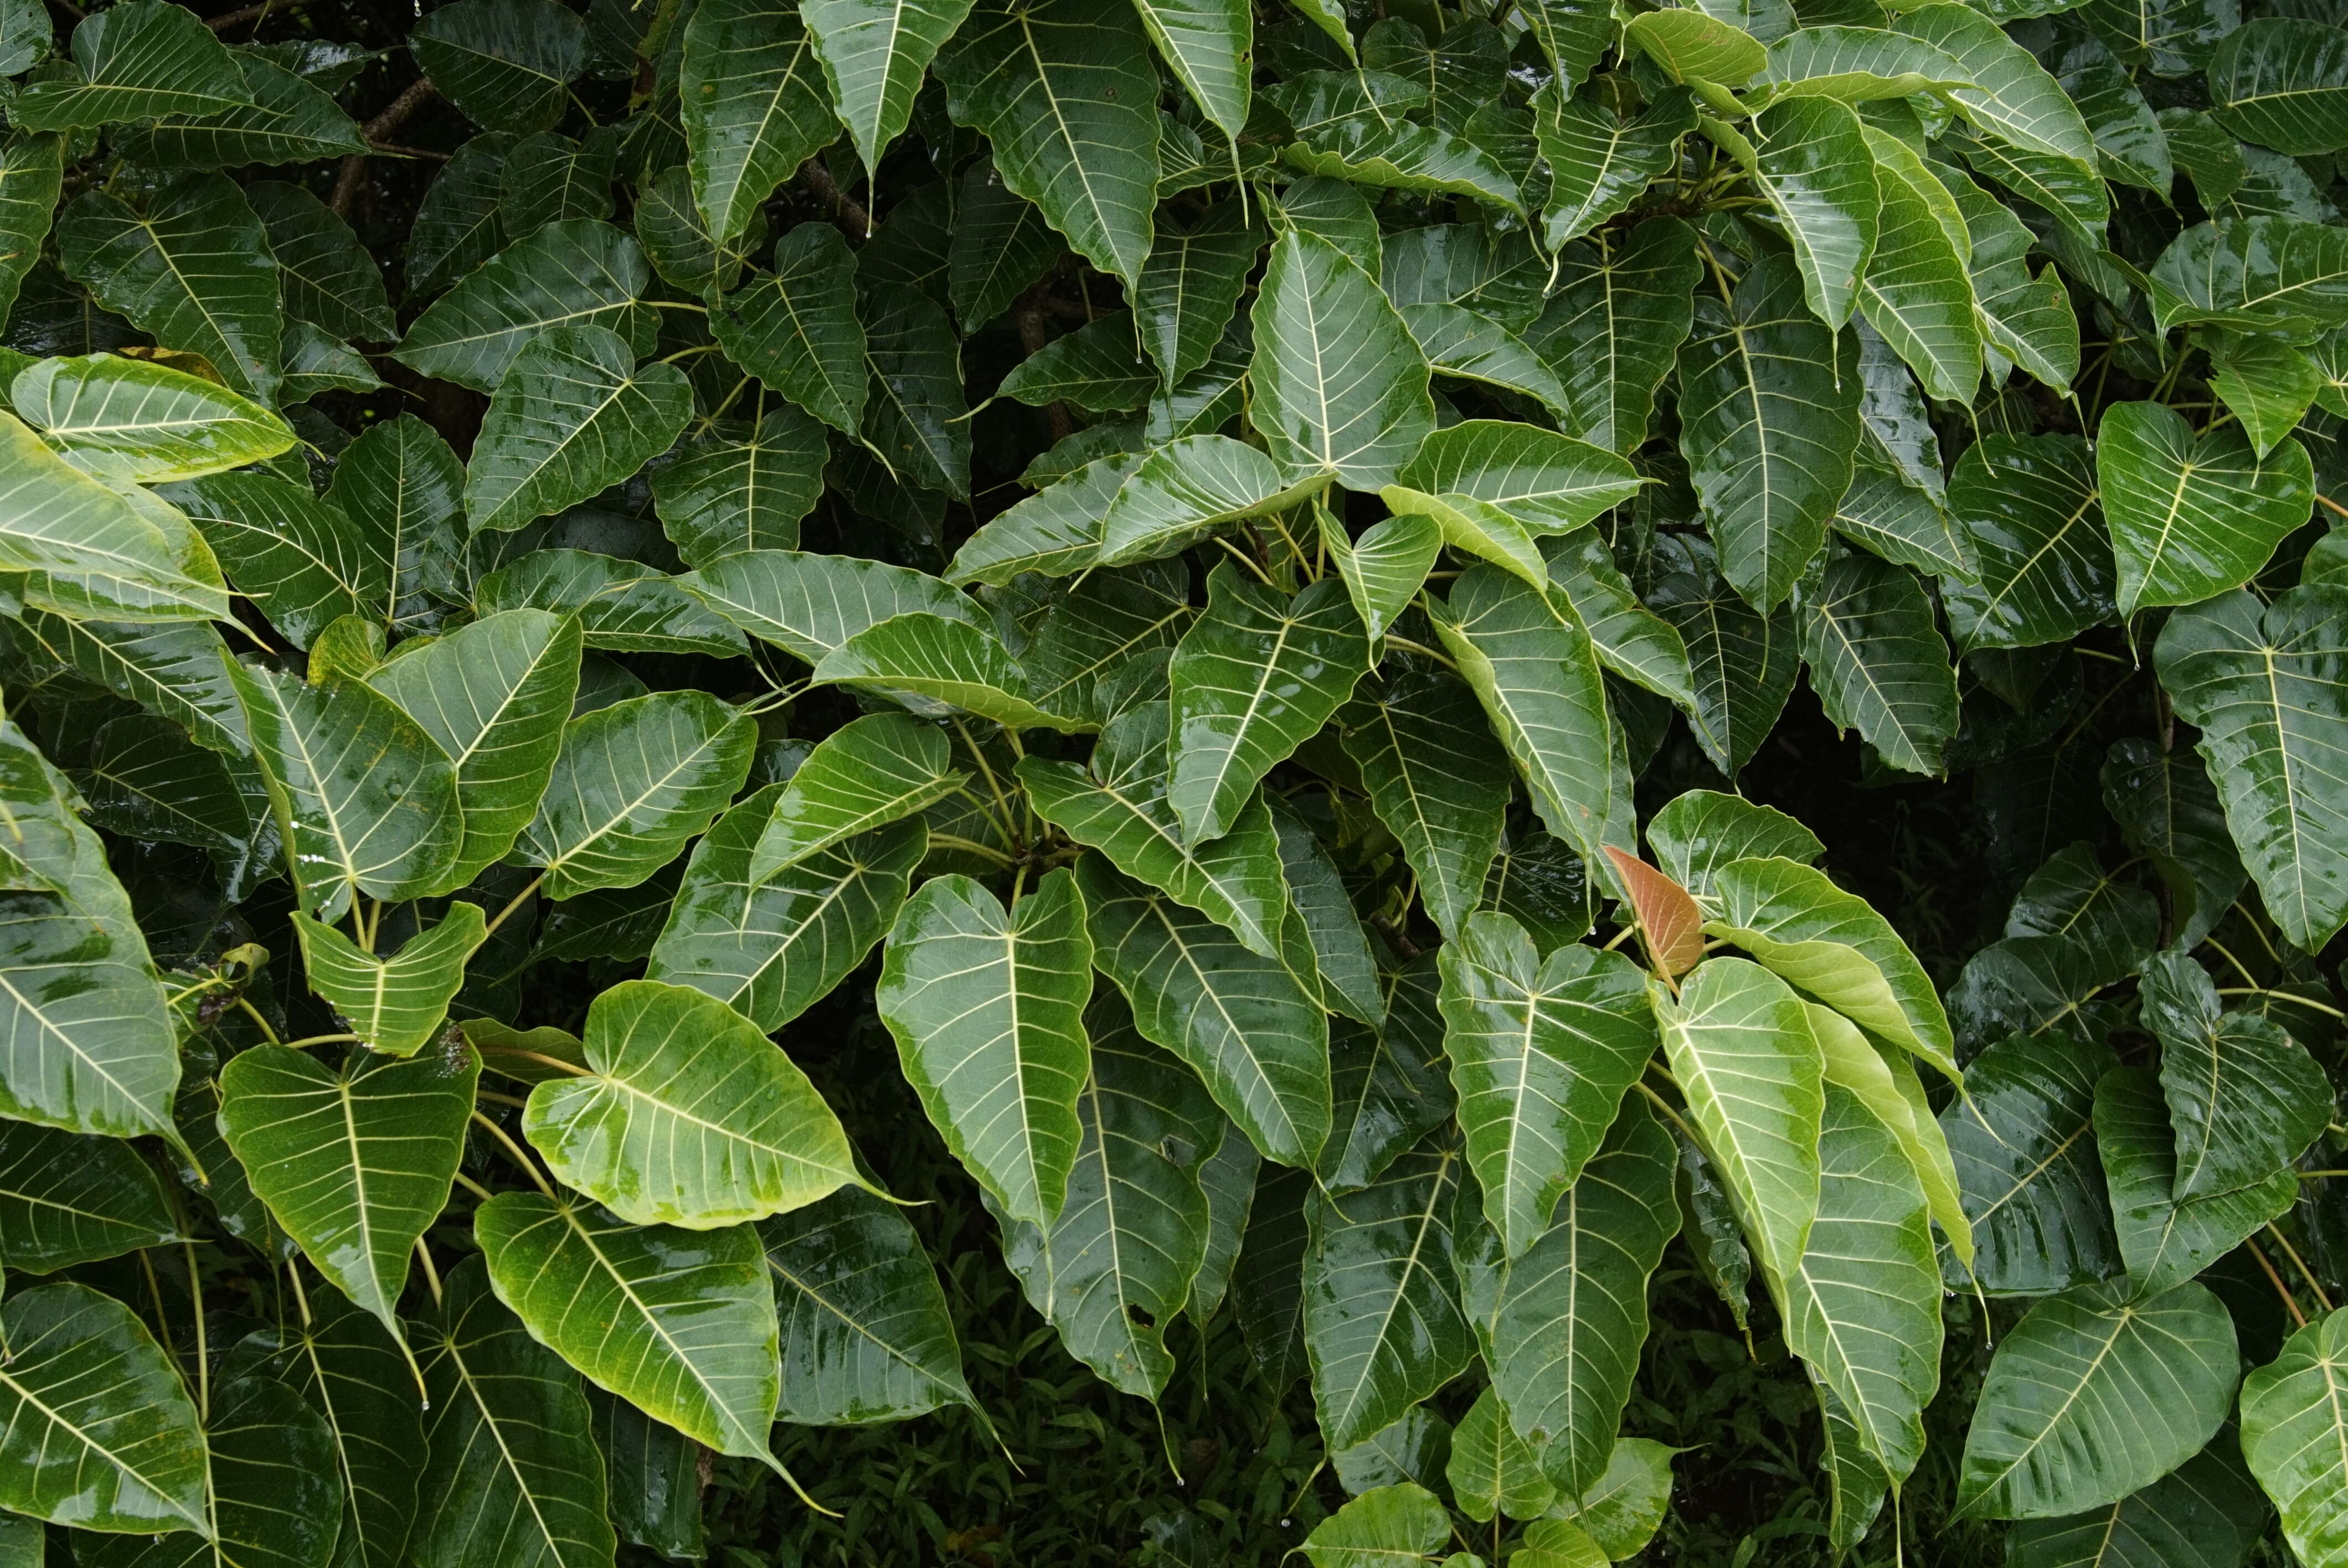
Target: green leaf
[[2293, 1421], [1692, 46], [2264, 274], [1742, 665], [1835, 946], [1599, 163], [274, 1497], [1384, 569], [2265, 687], [507, 64], [193, 269], [101, 1433], [619, 605], [1918, 290], [772, 949], [1066, 94], [633, 782], [355, 1164], [2028, 320], [1562, 1326], [394, 1005], [32, 174], [1194, 277], [1769, 412], [1492, 1471], [796, 328], [1382, 1319], [1855, 65], [1338, 382], [679, 1322], [1864, 1308], [1189, 489], [2013, 98], [1112, 1270], [1511, 645], [1878, 660], [494, 695], [143, 60], [512, 1475], [810, 604], [1119, 807], [1229, 1180], [915, 417], [1628, 639], [1702, 831], [753, 106], [1253, 679], [178, 668], [2095, 1394], [2247, 1098], [1209, 46], [1388, 1084], [1404, 1523], [325, 274], [1321, 913], [1741, 1048], [722, 497], [1100, 367], [1617, 317], [865, 774], [400, 484], [875, 56], [688, 1116], [2030, 506], [2168, 813], [1623, 1508], [456, 226], [2207, 1511], [575, 272], [1438, 780], [1883, 514], [573, 417], [2266, 385], [1414, 1448], [1541, 1055], [367, 801], [1458, 342], [2165, 1236], [67, 1199], [2173, 36], [678, 244], [133, 420], [1816, 167], [300, 559], [2279, 81], [987, 1008], [935, 664], [865, 1333], [1242, 1021], [289, 121], [348, 1368], [1114, 619], [1001, 246], [2191, 518]]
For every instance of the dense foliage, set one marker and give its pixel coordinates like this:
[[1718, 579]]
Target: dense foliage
[[1064, 721]]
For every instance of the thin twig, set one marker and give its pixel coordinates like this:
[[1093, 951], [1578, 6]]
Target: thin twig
[[256, 14], [2289, 1301], [513, 1152], [2300, 1264]]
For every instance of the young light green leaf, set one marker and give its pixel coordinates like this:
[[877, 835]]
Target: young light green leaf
[[865, 1333], [678, 1323], [2094, 1394], [687, 1117], [1700, 832], [1384, 569], [1742, 1051], [1404, 1523], [987, 1008], [1492, 1471], [1541, 1054], [495, 695], [394, 1005], [357, 1163], [2011, 97], [1339, 383], [1253, 679], [632, 783], [1242, 1021], [137, 421], [2265, 687]]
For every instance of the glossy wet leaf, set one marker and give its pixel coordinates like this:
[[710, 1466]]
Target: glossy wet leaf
[[2247, 1099], [2166, 1236], [2190, 518], [395, 1002], [687, 1115], [2292, 1422], [1437, 777], [2044, 564], [796, 328], [1339, 382], [864, 775], [754, 105], [572, 416], [67, 1199], [120, 418], [577, 273]]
